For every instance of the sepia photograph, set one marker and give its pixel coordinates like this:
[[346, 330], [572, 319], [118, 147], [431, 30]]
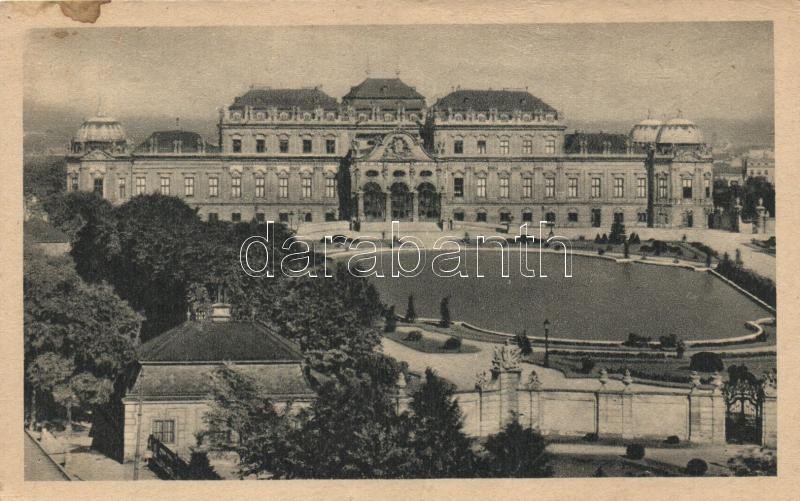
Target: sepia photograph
[[408, 251]]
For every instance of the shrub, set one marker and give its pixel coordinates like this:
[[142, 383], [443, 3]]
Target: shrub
[[590, 437], [706, 361], [411, 311], [645, 248], [603, 239], [669, 341], [414, 336], [587, 364], [444, 310], [634, 451], [391, 320], [600, 252], [597, 239], [696, 467], [581, 238], [452, 343], [672, 440]]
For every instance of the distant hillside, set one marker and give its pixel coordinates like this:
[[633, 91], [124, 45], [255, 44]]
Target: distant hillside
[[48, 130], [722, 134]]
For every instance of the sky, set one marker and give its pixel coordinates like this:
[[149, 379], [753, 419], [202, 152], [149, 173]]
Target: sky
[[586, 71]]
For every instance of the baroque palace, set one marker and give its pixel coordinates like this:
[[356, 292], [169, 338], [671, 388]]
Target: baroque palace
[[382, 154]]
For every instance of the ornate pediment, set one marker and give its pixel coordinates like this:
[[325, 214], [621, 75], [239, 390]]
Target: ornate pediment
[[97, 155], [397, 147]]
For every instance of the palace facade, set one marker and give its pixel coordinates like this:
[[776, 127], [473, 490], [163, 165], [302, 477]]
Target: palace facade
[[381, 153]]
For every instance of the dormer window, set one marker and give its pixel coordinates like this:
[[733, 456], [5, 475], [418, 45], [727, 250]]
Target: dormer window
[[237, 145]]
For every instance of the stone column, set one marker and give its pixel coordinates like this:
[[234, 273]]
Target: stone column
[[508, 382], [387, 207], [626, 423], [414, 206], [360, 196], [769, 412], [718, 410]]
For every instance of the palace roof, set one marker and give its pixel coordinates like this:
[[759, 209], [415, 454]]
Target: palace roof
[[383, 88], [207, 341], [165, 142], [306, 99], [502, 100], [192, 381], [594, 142]]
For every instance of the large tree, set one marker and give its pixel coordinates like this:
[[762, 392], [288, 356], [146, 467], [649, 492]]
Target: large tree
[[440, 447], [78, 337]]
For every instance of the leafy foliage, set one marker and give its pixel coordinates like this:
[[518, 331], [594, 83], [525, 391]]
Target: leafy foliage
[[78, 337], [411, 311], [517, 452]]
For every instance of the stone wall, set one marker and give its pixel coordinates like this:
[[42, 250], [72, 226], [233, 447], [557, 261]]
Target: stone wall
[[635, 412]]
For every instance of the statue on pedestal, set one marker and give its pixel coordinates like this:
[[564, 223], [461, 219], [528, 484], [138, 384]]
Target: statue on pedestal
[[506, 357]]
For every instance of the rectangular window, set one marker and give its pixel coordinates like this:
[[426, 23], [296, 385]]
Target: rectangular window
[[550, 217], [98, 186], [641, 217], [330, 187], [283, 217], [596, 191], [458, 147], [236, 187], [686, 184], [482, 146], [527, 217], [165, 186], [619, 187], [505, 217], [458, 186], [164, 430], [480, 217], [306, 146], [259, 217], [122, 188], [237, 145], [572, 187], [527, 146], [213, 186], [259, 187], [458, 216], [504, 146], [283, 187], [74, 186], [572, 217], [503, 187], [662, 187], [596, 218], [261, 145], [213, 217], [330, 146], [481, 188], [641, 188], [236, 217], [141, 185], [527, 187], [283, 145], [550, 146], [188, 186], [306, 184], [707, 187], [619, 217], [549, 187]]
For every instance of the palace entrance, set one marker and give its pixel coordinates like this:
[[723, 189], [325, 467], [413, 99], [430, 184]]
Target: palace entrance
[[744, 398], [374, 202], [402, 201], [429, 203]]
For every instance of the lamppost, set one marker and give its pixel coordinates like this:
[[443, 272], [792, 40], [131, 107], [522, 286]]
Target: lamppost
[[546, 343]]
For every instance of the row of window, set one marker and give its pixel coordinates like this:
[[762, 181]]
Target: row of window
[[572, 187], [503, 146], [283, 217], [306, 185], [283, 145], [550, 216]]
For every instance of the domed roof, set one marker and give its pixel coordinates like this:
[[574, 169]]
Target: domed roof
[[679, 131], [100, 129], [646, 131]]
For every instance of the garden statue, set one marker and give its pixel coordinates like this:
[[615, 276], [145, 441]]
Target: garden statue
[[506, 357]]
